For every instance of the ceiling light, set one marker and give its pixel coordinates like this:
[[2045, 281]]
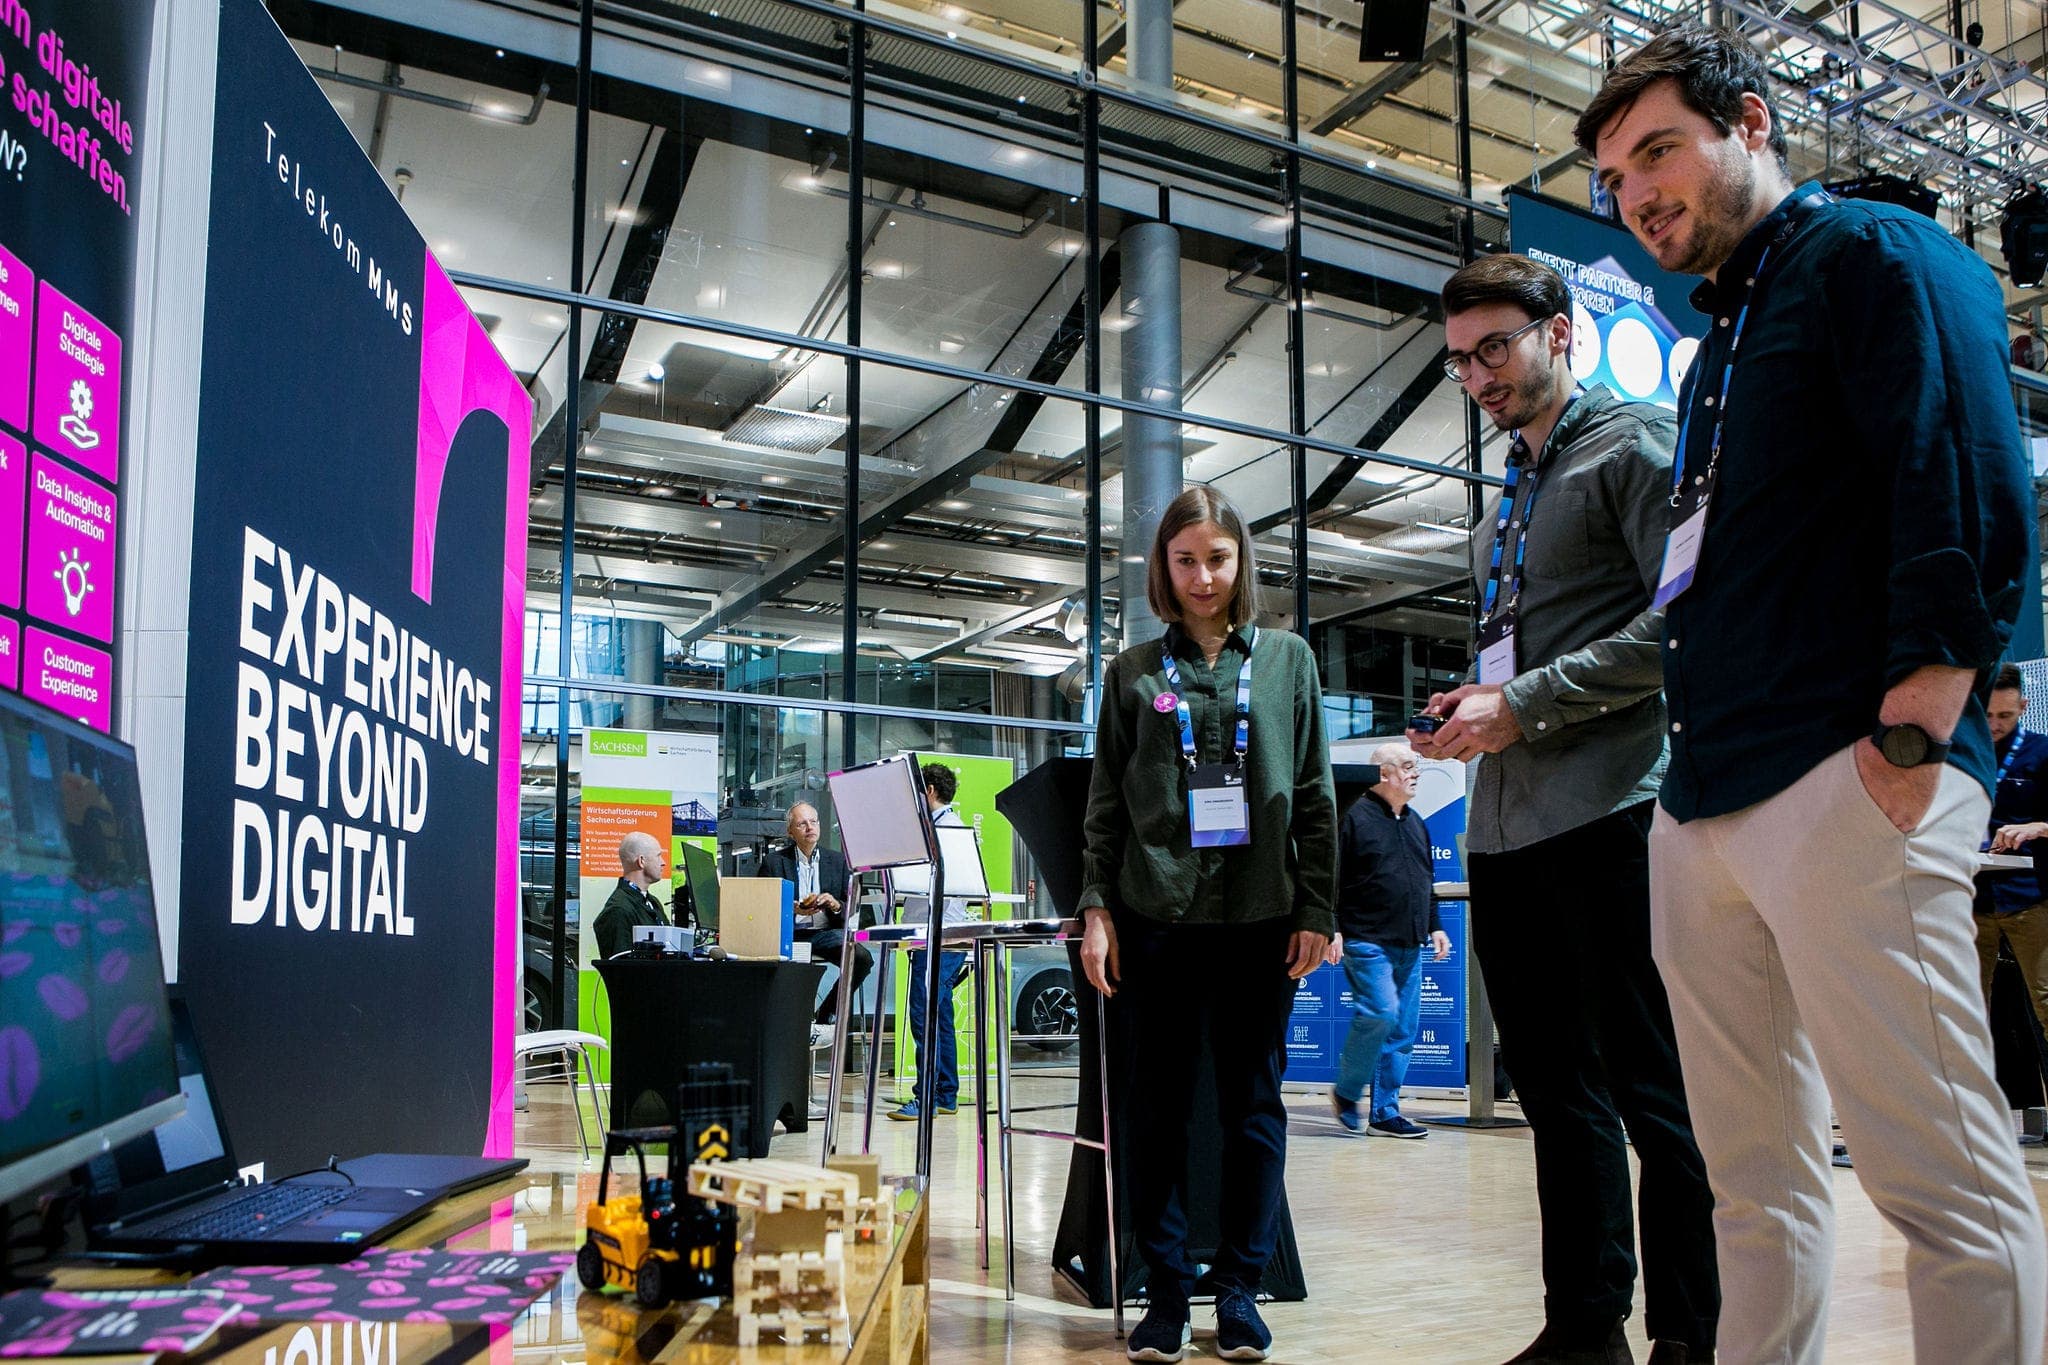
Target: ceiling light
[[882, 545], [776, 479], [656, 372], [952, 343], [954, 505], [501, 52], [714, 524], [952, 35], [624, 162]]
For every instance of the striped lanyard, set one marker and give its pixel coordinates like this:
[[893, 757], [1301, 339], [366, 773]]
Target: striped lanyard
[[1518, 460], [2019, 737], [1705, 480], [1242, 739]]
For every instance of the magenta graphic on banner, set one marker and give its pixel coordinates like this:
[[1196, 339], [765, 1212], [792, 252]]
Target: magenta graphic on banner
[[70, 566], [78, 384], [433, 1285], [71, 678], [13, 496], [17, 334], [10, 654]]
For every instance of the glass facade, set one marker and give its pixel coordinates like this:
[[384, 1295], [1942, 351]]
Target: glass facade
[[866, 343]]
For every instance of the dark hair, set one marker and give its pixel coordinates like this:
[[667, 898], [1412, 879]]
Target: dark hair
[[1198, 504], [944, 782], [1534, 288], [2008, 678], [1714, 69]]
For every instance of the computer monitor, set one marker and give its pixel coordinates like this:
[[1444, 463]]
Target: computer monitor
[[701, 867], [86, 1058]]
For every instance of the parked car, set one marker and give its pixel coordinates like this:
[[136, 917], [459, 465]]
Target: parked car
[[1042, 999]]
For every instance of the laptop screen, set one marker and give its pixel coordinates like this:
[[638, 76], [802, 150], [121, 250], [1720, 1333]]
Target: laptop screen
[[182, 1157]]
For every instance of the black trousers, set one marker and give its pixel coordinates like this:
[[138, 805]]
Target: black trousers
[[1179, 983], [1562, 932]]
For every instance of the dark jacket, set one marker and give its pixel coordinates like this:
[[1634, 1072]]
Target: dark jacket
[[1873, 509], [1385, 869], [624, 910], [833, 871], [1139, 855], [2022, 798]]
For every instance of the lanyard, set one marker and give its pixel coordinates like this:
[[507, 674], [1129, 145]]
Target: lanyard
[[2019, 737], [1518, 457], [1242, 736], [1720, 402]]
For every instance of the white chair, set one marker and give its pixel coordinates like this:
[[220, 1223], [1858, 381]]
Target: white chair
[[572, 1048]]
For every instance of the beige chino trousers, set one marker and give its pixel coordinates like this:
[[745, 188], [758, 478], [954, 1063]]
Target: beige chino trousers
[[1811, 951]]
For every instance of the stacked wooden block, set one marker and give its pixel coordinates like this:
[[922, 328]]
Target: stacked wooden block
[[791, 1279]]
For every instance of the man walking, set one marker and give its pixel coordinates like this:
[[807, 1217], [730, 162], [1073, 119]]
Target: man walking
[[1386, 916], [1848, 530], [1567, 715]]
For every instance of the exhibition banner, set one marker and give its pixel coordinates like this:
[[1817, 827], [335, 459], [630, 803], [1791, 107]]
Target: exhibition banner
[[350, 892], [1322, 1000], [1634, 328], [75, 75], [663, 783]]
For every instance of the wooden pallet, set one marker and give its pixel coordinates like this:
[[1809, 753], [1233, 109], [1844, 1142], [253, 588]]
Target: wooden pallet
[[793, 1294], [770, 1185]]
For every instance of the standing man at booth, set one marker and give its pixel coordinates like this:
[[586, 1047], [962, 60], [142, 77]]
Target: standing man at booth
[[819, 877], [1386, 916], [1566, 712], [1850, 522], [938, 1059], [631, 904]]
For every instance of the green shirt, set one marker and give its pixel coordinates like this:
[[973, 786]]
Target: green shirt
[[1139, 857]]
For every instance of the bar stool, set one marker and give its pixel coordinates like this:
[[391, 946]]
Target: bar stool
[[993, 944], [574, 1049]]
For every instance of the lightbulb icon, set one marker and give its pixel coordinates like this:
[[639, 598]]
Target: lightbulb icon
[[72, 571]]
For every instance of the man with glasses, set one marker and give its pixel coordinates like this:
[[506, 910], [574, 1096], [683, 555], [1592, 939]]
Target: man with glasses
[[1565, 714], [1848, 544], [1386, 916]]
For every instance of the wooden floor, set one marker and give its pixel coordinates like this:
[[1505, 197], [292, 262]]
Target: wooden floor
[[1420, 1252]]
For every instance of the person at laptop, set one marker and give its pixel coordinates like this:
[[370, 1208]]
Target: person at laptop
[[642, 863], [820, 876]]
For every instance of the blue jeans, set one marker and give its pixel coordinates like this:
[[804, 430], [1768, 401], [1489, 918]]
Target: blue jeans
[[1386, 1008], [942, 1070]]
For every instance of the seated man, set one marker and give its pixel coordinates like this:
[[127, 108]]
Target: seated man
[[642, 864], [819, 876]]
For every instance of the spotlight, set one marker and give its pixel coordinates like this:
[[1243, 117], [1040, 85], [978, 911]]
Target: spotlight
[[2023, 236]]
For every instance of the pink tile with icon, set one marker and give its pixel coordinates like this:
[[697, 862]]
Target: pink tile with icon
[[78, 385], [72, 524], [13, 496], [17, 338], [73, 679]]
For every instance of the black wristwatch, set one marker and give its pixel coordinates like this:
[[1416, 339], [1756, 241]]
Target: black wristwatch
[[1908, 746]]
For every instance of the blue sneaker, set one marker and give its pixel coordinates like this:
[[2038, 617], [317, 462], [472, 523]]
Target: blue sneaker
[[1347, 1113], [1240, 1332], [1397, 1127], [1162, 1334], [907, 1113]]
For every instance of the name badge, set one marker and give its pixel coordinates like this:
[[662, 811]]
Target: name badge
[[1218, 815], [1497, 648], [1682, 546]]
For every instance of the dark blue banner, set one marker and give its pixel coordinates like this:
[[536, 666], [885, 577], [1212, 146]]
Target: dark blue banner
[[1634, 329], [351, 753]]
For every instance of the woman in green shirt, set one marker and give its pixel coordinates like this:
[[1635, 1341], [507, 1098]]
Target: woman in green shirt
[[1210, 869]]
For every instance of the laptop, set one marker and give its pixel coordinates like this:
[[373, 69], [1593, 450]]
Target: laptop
[[176, 1194]]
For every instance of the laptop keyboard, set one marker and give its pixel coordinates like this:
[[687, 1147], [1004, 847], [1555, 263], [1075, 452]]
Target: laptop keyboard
[[249, 1215]]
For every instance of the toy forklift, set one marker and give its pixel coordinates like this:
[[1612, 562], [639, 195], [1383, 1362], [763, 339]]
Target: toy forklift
[[656, 1246]]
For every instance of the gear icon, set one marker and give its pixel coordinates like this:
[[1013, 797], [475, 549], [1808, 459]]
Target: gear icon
[[81, 399]]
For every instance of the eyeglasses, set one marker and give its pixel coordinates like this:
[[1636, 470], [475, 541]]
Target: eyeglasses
[[1492, 353]]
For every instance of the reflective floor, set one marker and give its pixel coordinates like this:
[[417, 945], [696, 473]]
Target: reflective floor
[[1414, 1251]]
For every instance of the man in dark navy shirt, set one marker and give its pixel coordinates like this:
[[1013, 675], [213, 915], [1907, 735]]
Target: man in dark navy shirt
[[2009, 903], [1386, 915], [1851, 520]]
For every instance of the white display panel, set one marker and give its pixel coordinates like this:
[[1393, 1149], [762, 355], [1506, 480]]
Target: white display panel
[[966, 878], [881, 812]]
